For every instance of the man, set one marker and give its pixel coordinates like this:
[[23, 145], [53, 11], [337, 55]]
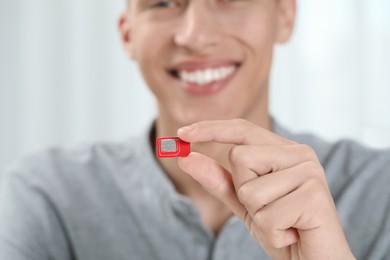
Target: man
[[244, 193]]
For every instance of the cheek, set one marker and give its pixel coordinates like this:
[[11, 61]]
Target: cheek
[[149, 38], [260, 39], [151, 53], [142, 46], [252, 23]]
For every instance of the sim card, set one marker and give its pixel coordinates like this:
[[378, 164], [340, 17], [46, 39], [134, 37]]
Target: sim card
[[168, 147]]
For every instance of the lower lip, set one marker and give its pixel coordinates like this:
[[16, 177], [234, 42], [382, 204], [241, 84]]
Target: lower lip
[[207, 89]]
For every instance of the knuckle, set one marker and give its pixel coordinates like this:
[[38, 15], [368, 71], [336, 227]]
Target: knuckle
[[311, 186], [308, 152], [314, 189], [236, 155], [243, 193], [251, 198], [242, 127], [313, 169], [268, 230], [261, 221]]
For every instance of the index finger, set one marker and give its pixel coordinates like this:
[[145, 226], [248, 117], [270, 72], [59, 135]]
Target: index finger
[[235, 131]]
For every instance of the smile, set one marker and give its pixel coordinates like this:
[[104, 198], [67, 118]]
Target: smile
[[207, 76]]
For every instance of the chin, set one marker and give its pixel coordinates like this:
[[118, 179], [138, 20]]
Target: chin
[[188, 111]]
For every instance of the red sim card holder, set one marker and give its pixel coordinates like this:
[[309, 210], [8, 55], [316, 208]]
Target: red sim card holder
[[169, 147]]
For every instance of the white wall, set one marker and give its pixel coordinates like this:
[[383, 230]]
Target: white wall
[[334, 76], [64, 78]]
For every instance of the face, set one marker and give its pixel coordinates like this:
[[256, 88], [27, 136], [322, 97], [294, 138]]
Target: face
[[206, 59]]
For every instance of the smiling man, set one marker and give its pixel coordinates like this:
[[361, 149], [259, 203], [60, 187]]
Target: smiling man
[[249, 190]]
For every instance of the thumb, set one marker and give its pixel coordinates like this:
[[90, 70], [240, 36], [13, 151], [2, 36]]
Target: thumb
[[214, 179]]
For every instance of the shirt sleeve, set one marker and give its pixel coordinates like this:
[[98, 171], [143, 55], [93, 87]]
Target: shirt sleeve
[[22, 214]]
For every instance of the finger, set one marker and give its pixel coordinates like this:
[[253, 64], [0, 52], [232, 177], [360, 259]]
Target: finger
[[264, 159], [214, 178], [247, 162], [310, 213], [236, 131], [260, 192], [306, 209]]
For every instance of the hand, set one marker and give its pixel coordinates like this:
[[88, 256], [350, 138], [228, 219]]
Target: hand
[[276, 186]]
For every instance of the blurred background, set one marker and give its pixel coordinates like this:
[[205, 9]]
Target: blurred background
[[64, 78]]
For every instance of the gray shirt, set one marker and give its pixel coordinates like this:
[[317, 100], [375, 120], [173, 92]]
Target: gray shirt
[[113, 201]]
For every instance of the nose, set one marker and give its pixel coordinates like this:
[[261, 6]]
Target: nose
[[199, 29]]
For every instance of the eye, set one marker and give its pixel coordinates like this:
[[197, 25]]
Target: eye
[[164, 4]]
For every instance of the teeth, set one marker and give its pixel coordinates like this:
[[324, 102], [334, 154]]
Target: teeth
[[203, 77]]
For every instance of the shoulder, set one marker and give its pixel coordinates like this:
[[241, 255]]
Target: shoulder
[[348, 159], [359, 179], [47, 197], [58, 170], [350, 167], [346, 156]]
